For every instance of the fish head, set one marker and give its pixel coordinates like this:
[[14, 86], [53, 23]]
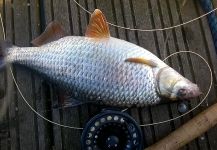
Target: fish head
[[185, 89], [174, 86]]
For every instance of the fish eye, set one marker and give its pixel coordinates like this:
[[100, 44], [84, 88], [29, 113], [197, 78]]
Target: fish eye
[[182, 92]]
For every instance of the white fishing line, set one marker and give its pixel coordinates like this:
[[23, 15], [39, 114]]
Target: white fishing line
[[21, 93], [38, 114], [3, 29], [207, 93], [143, 125], [150, 30]]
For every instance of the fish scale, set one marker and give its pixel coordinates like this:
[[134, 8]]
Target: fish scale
[[94, 70]]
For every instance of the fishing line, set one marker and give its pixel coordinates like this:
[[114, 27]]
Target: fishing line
[[143, 125], [167, 37], [207, 93], [21, 94], [39, 115], [150, 30]]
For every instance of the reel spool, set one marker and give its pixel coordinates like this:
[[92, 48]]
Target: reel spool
[[112, 130]]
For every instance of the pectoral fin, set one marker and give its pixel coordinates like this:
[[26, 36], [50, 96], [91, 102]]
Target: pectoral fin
[[148, 62], [53, 32]]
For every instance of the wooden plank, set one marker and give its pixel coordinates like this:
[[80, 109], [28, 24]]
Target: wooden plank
[[56, 117], [4, 132], [185, 62], [148, 132], [123, 13], [129, 21], [39, 102], [143, 20], [179, 63], [13, 115], [208, 41], [71, 137], [56, 141], [4, 123], [27, 135], [119, 18], [42, 131], [83, 18], [210, 51], [83, 109], [61, 9], [194, 41], [75, 19], [43, 127], [203, 140], [48, 10], [61, 13], [146, 40]]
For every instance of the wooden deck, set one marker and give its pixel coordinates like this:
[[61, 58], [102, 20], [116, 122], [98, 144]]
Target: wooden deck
[[26, 19]]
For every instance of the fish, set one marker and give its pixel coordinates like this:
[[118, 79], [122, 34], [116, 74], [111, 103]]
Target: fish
[[100, 68]]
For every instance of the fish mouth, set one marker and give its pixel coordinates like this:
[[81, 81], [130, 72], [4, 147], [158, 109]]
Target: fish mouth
[[189, 93]]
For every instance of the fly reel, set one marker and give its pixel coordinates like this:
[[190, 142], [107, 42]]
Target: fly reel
[[112, 130]]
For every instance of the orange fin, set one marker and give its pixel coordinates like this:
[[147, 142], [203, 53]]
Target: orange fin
[[98, 26], [148, 62], [53, 32]]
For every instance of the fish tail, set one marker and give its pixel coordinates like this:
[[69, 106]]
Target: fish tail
[[4, 48]]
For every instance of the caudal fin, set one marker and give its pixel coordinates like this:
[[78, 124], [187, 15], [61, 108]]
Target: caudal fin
[[4, 48]]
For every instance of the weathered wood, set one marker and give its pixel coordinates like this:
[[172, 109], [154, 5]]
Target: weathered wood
[[83, 109], [40, 102], [4, 132], [182, 64], [119, 18], [69, 116], [75, 19], [13, 122], [189, 131], [42, 135], [194, 41], [56, 117], [148, 40], [23, 23], [57, 140], [61, 13], [211, 57], [129, 20], [27, 133], [51, 13], [14, 128]]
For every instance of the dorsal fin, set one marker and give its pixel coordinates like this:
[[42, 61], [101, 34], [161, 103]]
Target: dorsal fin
[[98, 26], [53, 31]]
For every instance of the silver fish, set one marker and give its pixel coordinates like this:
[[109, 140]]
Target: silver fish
[[98, 67]]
